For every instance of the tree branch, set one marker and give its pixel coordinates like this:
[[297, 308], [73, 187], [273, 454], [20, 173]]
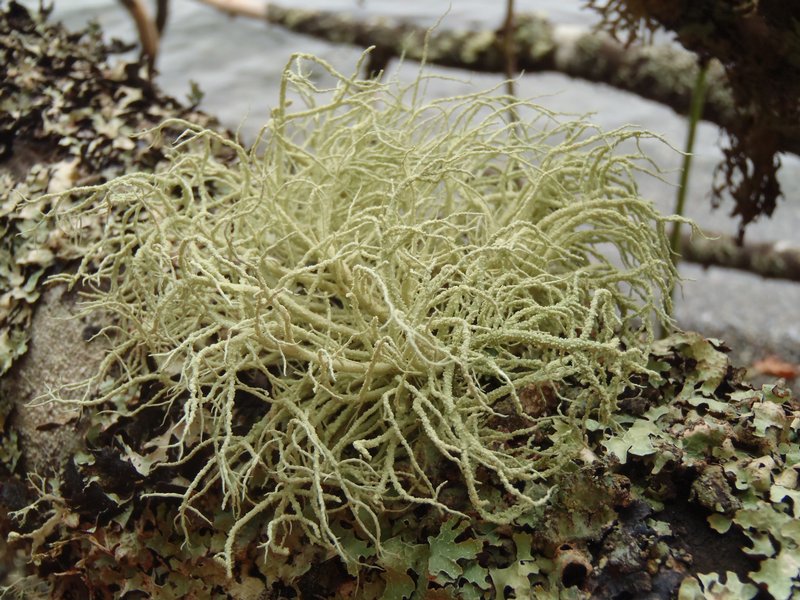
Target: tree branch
[[664, 74], [774, 260]]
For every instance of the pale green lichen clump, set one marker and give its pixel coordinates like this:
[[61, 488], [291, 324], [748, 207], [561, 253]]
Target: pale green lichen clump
[[387, 281]]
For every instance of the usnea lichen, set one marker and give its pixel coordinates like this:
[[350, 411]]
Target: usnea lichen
[[381, 295]]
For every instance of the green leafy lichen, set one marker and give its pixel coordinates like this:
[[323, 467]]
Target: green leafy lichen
[[741, 446], [446, 552]]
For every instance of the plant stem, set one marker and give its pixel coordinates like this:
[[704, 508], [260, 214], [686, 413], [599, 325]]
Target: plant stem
[[695, 111], [510, 53]]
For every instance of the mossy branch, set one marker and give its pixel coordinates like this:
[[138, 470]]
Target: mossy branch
[[661, 73], [775, 260]]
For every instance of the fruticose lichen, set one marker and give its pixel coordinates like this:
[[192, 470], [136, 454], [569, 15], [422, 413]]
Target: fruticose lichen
[[689, 459], [382, 297]]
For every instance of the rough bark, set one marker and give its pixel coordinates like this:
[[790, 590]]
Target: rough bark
[[661, 73], [61, 354]]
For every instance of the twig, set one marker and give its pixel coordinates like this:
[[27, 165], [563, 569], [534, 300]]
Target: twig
[[695, 112], [664, 74], [509, 48], [162, 14], [244, 8], [146, 26], [510, 52], [773, 260]]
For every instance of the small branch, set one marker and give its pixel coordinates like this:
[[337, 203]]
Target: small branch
[[162, 14], [510, 54], [695, 113], [146, 26], [774, 260], [664, 74], [509, 47], [244, 8]]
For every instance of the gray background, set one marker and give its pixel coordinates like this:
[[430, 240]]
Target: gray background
[[237, 63]]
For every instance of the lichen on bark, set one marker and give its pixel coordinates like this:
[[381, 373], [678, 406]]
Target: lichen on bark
[[387, 270], [618, 499]]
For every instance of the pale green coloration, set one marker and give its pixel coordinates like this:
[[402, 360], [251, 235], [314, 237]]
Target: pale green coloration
[[378, 273], [446, 552], [710, 586]]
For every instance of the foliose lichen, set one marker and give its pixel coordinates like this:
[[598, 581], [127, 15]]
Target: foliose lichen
[[66, 118]]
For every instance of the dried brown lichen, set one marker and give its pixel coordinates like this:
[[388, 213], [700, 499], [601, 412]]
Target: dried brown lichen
[[758, 43]]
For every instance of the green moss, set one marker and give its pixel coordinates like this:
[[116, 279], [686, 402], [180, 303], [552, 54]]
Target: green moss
[[386, 285]]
